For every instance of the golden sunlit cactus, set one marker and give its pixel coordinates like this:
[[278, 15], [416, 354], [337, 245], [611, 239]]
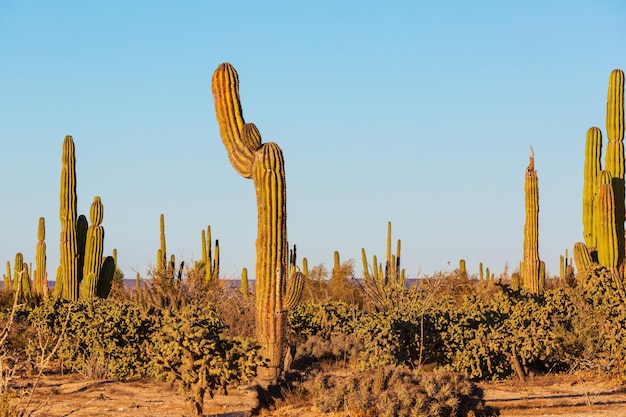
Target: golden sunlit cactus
[[593, 167], [40, 281], [614, 159], [94, 249], [210, 258], [263, 163], [606, 230], [531, 263], [68, 213], [582, 257]]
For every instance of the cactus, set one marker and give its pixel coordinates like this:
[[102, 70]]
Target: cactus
[[94, 249], [379, 283], [582, 257], [336, 264], [105, 279], [481, 275], [263, 163], [162, 253], [593, 167], [68, 213], [243, 288], [8, 283], [606, 230], [210, 259], [531, 263], [462, 269], [515, 281], [40, 283], [614, 159]]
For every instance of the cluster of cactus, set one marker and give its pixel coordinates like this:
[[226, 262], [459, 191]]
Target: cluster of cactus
[[378, 283], [210, 258], [263, 163], [166, 270], [81, 245], [603, 189], [530, 270], [21, 283]]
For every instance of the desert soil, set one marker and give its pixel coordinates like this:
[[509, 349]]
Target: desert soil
[[56, 396]]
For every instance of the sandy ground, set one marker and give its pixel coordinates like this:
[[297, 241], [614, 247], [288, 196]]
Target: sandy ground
[[55, 396]]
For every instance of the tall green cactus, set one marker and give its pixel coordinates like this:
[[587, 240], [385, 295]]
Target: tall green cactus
[[582, 257], [94, 250], [40, 280], [161, 253], [614, 160], [243, 287], [263, 163], [68, 213], [380, 284], [210, 258], [606, 228], [531, 263], [8, 283], [593, 167]]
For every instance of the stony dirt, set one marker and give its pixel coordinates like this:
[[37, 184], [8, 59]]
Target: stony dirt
[[56, 396]]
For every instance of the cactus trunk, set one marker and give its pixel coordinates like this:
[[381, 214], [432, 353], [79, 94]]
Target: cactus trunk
[[68, 213], [531, 264], [614, 160], [40, 282], [593, 167]]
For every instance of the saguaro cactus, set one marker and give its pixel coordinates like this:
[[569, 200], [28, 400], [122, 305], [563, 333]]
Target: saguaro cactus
[[263, 163], [68, 213], [531, 264], [40, 282]]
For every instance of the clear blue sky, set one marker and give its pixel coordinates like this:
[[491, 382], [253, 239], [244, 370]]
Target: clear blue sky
[[416, 112]]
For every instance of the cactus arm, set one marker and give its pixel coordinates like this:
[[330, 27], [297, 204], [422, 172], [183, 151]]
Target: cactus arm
[[608, 249], [582, 257], [241, 151], [295, 288]]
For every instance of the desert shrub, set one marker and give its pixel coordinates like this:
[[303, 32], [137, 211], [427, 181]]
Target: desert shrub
[[390, 391], [237, 312], [189, 349], [102, 338], [495, 332], [324, 332], [596, 340]]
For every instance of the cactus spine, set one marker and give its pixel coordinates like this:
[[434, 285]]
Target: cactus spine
[[264, 164], [531, 264], [40, 279]]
